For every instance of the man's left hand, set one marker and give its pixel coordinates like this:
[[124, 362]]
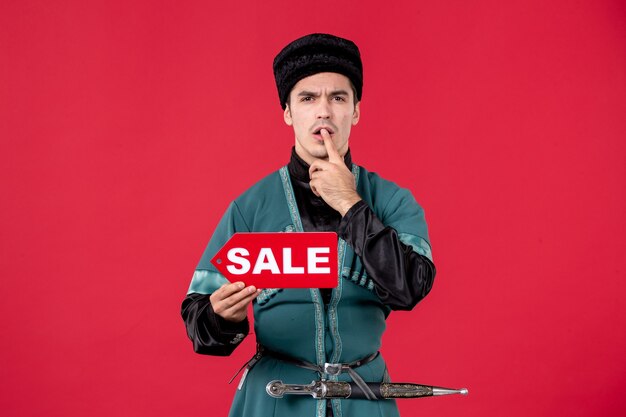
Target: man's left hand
[[332, 180]]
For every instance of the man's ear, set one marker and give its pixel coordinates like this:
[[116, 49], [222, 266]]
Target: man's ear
[[356, 115], [287, 116]]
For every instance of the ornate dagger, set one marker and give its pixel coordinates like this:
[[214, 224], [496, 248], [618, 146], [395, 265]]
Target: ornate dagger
[[383, 390]]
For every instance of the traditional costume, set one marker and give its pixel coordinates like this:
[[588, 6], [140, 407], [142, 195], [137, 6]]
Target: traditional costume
[[385, 263]]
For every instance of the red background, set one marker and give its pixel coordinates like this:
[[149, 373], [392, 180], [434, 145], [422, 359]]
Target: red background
[[127, 127]]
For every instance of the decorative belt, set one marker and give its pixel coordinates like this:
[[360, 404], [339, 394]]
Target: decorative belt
[[328, 369]]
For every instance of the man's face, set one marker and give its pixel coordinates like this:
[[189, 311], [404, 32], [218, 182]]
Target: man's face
[[323, 100]]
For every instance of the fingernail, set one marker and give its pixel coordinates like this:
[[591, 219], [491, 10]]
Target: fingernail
[[240, 285], [251, 289]]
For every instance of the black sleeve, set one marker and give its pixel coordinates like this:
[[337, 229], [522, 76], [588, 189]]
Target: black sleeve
[[401, 276], [210, 333]]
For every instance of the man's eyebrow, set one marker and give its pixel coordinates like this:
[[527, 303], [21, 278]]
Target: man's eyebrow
[[305, 93]]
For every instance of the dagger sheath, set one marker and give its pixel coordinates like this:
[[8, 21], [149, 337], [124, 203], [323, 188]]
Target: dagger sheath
[[382, 390], [338, 389]]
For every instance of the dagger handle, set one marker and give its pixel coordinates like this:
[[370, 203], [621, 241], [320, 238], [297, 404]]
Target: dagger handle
[[277, 389]]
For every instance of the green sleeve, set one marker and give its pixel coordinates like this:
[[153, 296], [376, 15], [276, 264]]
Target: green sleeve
[[206, 278]]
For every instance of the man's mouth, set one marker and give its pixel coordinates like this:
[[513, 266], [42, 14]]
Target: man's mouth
[[318, 131]]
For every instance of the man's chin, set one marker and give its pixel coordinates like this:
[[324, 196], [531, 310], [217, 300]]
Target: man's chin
[[317, 148], [315, 151]]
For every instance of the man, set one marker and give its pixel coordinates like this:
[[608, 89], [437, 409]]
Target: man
[[383, 248]]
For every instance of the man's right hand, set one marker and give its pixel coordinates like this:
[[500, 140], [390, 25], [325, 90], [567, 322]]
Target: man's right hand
[[230, 301]]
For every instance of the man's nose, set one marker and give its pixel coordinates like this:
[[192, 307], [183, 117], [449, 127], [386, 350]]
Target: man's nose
[[323, 110]]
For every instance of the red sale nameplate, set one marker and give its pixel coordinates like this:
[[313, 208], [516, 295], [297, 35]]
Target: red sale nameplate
[[280, 260]]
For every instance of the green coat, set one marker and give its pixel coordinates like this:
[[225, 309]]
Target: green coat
[[294, 321]]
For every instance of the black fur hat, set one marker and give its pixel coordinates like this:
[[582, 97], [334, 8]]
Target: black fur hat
[[317, 52]]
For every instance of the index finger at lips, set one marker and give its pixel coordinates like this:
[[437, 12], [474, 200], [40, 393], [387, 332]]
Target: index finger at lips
[[333, 154]]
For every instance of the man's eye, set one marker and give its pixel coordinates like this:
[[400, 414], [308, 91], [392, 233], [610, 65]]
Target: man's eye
[[307, 98], [339, 98]]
